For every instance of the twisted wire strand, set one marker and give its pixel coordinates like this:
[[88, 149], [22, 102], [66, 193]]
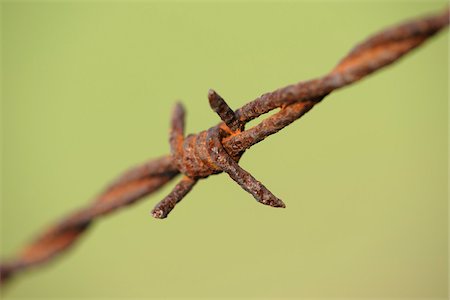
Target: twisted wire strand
[[133, 185], [378, 51], [219, 148]]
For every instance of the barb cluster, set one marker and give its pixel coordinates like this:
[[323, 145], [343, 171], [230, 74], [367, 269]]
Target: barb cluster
[[219, 148], [200, 155]]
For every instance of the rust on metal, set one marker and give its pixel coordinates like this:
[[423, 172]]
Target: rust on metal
[[219, 148], [163, 208], [224, 111], [133, 185]]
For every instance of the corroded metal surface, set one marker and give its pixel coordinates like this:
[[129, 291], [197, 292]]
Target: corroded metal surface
[[133, 185], [219, 148]]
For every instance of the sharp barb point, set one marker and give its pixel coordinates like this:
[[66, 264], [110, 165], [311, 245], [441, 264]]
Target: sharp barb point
[[225, 113], [165, 206]]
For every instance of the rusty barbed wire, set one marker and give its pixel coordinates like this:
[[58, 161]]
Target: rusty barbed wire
[[219, 148]]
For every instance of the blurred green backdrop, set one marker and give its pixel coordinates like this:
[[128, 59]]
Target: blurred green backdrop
[[87, 92]]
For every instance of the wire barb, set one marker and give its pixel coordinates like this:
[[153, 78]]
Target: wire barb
[[220, 148], [177, 128], [163, 208], [242, 177], [225, 113]]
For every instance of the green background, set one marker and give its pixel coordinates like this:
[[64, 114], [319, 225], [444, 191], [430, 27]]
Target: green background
[[87, 92]]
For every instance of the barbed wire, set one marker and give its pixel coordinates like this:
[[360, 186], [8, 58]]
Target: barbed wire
[[219, 148]]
